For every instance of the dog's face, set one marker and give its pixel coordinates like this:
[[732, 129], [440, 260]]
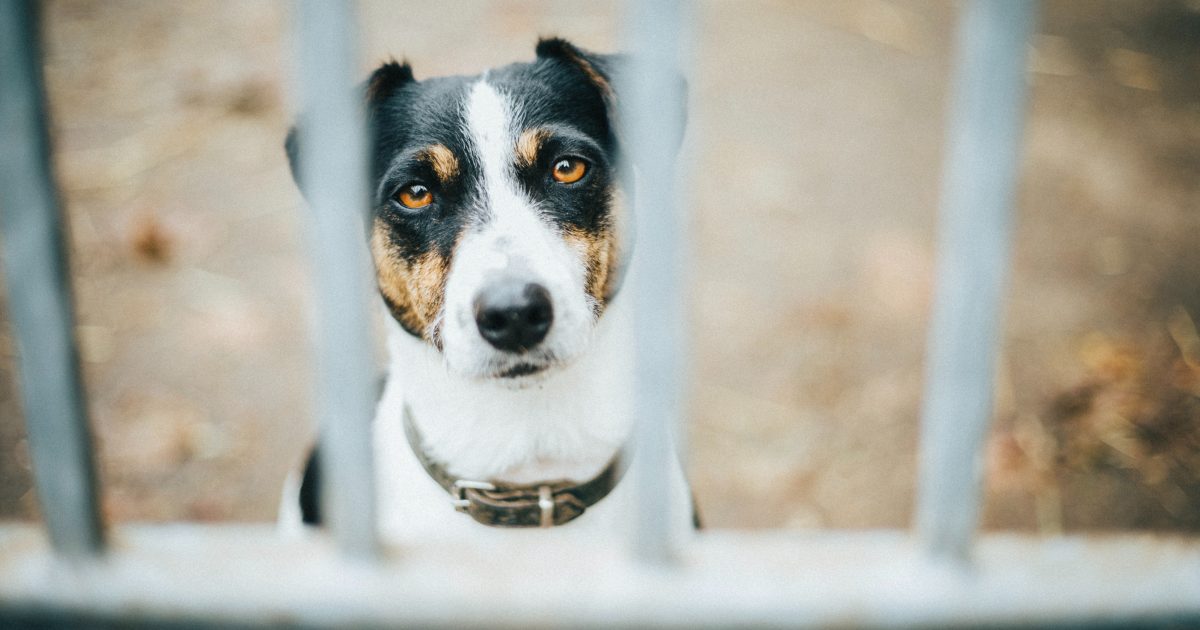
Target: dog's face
[[496, 228]]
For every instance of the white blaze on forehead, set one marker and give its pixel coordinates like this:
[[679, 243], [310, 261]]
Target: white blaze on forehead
[[490, 125], [512, 234]]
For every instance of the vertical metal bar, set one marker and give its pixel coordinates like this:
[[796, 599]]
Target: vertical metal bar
[[979, 176], [654, 120], [39, 294], [333, 168]]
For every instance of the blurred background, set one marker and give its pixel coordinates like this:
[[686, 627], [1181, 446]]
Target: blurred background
[[813, 148]]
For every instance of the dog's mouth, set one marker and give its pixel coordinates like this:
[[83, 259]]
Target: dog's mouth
[[520, 371], [523, 369]]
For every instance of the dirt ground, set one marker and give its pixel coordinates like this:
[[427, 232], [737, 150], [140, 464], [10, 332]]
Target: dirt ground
[[813, 155]]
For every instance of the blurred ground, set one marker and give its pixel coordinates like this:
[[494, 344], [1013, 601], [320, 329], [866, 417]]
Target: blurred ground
[[814, 144]]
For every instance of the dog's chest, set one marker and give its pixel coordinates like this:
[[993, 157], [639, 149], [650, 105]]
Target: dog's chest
[[414, 509]]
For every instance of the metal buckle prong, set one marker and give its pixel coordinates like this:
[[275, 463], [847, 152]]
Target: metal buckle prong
[[546, 504], [460, 500]]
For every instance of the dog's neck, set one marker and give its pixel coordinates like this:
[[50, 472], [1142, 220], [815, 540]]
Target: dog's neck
[[567, 424]]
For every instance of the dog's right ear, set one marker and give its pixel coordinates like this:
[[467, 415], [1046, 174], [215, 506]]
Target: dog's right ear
[[382, 83], [386, 79]]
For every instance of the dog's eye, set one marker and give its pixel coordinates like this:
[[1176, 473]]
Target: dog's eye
[[569, 170], [414, 196]]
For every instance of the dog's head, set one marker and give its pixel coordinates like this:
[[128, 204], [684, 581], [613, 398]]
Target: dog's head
[[497, 229]]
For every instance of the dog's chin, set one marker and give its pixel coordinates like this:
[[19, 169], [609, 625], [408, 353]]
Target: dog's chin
[[514, 372]]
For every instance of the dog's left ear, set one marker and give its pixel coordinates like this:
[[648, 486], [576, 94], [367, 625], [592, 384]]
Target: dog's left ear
[[600, 70], [383, 82], [606, 73]]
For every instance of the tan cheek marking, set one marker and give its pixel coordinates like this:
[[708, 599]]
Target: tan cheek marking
[[618, 227], [602, 251], [529, 144], [599, 255], [612, 259], [413, 290], [443, 161]]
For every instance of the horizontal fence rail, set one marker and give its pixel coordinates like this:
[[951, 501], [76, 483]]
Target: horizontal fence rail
[[223, 575]]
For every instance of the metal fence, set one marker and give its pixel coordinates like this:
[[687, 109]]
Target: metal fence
[[943, 573]]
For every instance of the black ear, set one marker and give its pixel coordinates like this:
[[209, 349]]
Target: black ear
[[386, 79], [606, 73], [600, 70], [382, 83]]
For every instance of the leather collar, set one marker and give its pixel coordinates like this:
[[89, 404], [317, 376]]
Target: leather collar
[[505, 505]]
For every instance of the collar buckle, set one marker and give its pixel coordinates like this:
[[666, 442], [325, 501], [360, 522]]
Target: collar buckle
[[459, 492]]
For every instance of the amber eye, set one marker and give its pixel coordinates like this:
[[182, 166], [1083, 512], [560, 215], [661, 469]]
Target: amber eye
[[569, 170], [414, 196]]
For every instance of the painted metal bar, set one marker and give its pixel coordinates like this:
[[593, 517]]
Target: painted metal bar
[[247, 576], [654, 120], [333, 169], [979, 178], [39, 294]]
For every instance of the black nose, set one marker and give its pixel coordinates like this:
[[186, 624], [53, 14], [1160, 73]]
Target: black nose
[[514, 316]]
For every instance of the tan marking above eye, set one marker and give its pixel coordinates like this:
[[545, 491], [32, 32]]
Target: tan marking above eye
[[414, 196], [568, 170], [443, 161], [529, 144]]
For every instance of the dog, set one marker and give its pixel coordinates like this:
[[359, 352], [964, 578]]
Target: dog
[[501, 241]]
